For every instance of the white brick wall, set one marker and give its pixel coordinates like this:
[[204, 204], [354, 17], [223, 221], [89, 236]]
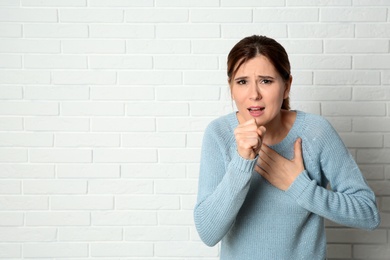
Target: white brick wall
[[103, 104]]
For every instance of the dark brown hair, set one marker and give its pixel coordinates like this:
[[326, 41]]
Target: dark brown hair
[[249, 47]]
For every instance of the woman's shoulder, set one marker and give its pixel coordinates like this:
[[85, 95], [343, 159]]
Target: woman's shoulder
[[222, 123]]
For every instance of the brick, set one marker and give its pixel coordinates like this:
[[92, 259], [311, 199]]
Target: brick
[[213, 46], [356, 236], [80, 202], [188, 202], [10, 3], [149, 77], [93, 46], [187, 31], [57, 124], [123, 31], [374, 156], [353, 109], [367, 251], [83, 77], [147, 202], [211, 108], [372, 172], [156, 46], [24, 77], [26, 171], [347, 77], [318, 3], [175, 186], [363, 140], [120, 187], [251, 3], [29, 108], [12, 155], [26, 139], [87, 140], [319, 93], [353, 14], [10, 61], [24, 202], [320, 62], [156, 233], [152, 140], [321, 30], [187, 3], [88, 171], [376, 124], [386, 203], [10, 187], [57, 249], [187, 93], [371, 93], [157, 109], [10, 30], [91, 15], [156, 15], [57, 218], [370, 2], [120, 3], [339, 251], [27, 234], [11, 219], [10, 250], [186, 62], [373, 30], [356, 46], [371, 62], [286, 15], [179, 155], [122, 93], [120, 62], [242, 30], [182, 125], [153, 171], [55, 3], [55, 30], [122, 249], [176, 218], [302, 46], [123, 124], [28, 15], [221, 15], [109, 155], [380, 188], [124, 218], [61, 155], [55, 62], [205, 78], [92, 109], [194, 140], [54, 187], [56, 93], [90, 234], [11, 92]]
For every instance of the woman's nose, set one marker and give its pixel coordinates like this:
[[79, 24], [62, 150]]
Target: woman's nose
[[255, 92]]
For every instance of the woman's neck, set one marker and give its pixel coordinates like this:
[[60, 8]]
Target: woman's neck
[[279, 127]]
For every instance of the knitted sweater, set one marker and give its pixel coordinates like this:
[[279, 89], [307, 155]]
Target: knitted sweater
[[255, 220]]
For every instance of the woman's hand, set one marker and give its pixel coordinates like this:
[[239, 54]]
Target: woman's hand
[[249, 138], [278, 170]]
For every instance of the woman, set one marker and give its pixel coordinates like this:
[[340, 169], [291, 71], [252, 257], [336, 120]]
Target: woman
[[264, 169]]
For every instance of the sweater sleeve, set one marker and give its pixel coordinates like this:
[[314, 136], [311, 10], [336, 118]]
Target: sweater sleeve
[[350, 201], [223, 186]]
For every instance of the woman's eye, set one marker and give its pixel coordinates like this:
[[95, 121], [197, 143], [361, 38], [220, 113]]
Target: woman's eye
[[266, 81], [241, 82]]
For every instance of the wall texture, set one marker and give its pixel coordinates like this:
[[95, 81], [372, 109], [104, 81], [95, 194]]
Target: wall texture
[[103, 104]]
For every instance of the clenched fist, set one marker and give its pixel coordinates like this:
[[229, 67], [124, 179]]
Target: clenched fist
[[249, 138]]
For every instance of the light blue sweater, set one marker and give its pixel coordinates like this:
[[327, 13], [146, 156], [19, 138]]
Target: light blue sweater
[[255, 220]]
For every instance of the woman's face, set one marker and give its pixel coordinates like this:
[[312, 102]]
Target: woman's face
[[258, 91]]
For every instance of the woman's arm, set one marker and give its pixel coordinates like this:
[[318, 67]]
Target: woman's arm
[[222, 189]]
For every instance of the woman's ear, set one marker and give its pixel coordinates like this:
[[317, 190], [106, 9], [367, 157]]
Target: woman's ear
[[288, 87]]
